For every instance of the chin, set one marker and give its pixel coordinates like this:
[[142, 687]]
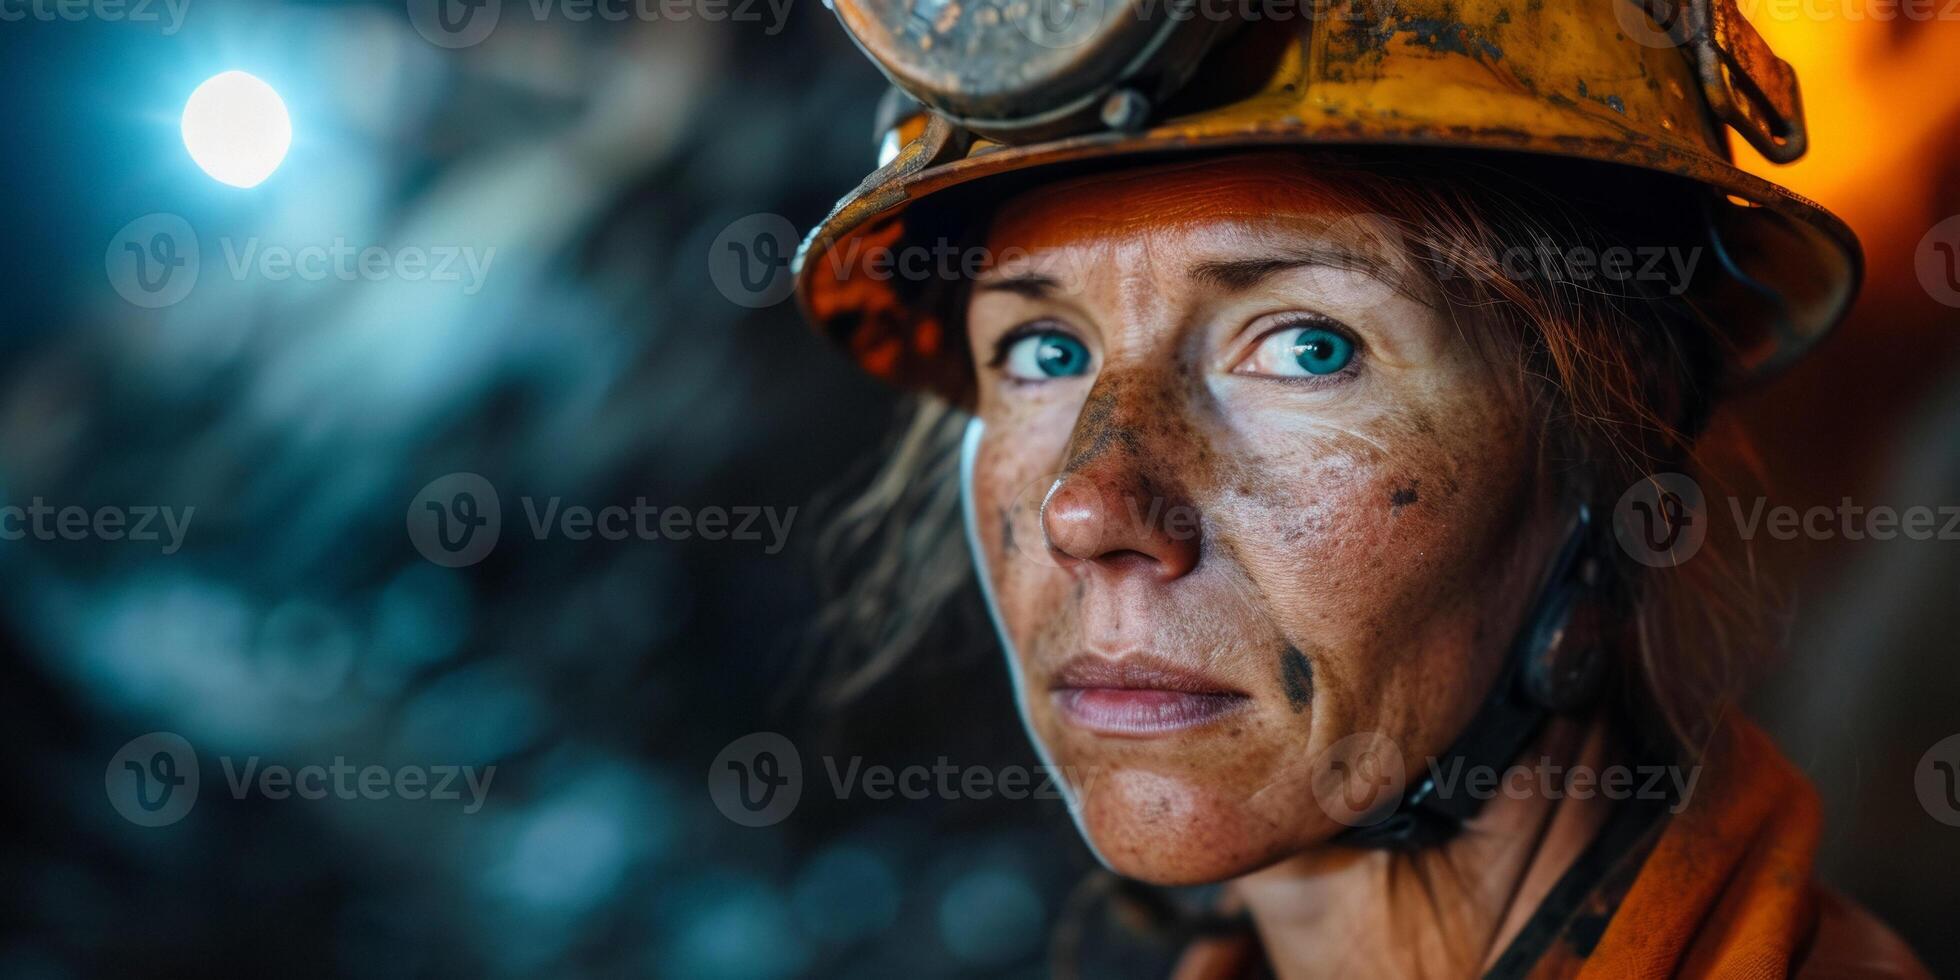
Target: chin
[[1181, 829]]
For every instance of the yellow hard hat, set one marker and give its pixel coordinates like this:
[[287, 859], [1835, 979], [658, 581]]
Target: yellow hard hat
[[1002, 87]]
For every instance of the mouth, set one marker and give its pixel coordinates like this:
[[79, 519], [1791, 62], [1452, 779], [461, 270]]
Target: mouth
[[1139, 695]]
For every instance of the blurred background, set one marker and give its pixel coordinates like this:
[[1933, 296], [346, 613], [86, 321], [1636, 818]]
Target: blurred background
[[596, 355]]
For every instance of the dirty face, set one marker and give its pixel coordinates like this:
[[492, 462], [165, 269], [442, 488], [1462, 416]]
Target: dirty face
[[1246, 487]]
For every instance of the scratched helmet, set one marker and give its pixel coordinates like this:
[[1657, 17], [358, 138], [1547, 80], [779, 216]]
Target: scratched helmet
[[987, 92]]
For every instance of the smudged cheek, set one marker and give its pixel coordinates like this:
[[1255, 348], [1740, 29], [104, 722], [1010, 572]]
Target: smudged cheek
[[1348, 525], [1011, 477], [1370, 554]]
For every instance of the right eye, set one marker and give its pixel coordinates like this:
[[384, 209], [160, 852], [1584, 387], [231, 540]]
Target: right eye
[[1044, 354]]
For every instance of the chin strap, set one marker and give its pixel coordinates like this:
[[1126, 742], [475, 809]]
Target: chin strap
[[1550, 668]]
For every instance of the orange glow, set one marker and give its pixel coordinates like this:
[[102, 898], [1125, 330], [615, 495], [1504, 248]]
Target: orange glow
[[1881, 100]]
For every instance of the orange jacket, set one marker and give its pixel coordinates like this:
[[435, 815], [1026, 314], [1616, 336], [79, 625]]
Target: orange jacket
[[1728, 891], [1725, 891]]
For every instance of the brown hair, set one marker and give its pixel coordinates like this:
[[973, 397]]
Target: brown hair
[[1621, 376]]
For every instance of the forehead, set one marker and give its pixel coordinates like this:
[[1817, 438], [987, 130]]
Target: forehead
[[1250, 191]]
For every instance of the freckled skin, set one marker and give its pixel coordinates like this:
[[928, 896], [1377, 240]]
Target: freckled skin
[[1382, 528]]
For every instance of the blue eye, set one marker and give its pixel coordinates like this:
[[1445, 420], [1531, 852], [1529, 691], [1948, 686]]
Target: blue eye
[[1044, 355], [1321, 351], [1295, 352]]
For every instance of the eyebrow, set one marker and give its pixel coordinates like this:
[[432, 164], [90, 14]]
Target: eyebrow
[[1230, 275], [1239, 275], [1028, 284]]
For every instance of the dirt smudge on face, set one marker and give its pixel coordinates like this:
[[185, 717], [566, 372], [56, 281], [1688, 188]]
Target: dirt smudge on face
[[1296, 679], [1098, 430], [1403, 497]]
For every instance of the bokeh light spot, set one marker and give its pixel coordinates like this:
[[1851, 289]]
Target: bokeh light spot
[[236, 128]]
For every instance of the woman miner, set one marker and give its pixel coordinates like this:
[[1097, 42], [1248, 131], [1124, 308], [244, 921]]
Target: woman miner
[[1324, 388]]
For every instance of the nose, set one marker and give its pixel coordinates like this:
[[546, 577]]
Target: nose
[[1108, 515]]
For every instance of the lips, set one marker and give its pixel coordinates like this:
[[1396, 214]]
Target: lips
[[1139, 695]]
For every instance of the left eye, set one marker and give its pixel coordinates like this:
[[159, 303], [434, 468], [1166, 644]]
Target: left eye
[[1295, 352], [1045, 354]]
